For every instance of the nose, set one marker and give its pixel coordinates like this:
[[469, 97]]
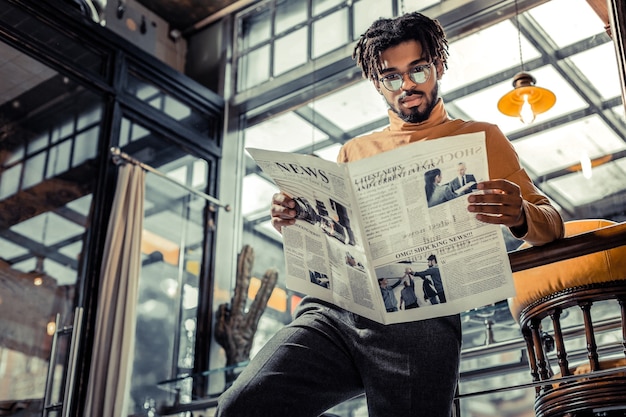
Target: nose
[[407, 82]]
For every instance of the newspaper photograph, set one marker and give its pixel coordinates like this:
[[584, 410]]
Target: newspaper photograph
[[389, 237]]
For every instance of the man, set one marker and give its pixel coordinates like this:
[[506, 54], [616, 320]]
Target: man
[[429, 292], [387, 292], [463, 183], [435, 276], [408, 299], [328, 355]]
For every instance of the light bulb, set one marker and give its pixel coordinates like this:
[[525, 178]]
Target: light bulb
[[585, 163], [51, 327], [526, 113]]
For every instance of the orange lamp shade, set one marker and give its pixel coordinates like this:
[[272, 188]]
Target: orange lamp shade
[[539, 99]]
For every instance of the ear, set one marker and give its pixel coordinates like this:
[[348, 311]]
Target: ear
[[441, 69]]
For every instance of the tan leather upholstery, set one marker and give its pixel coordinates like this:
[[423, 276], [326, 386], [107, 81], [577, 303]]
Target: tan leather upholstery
[[535, 283]]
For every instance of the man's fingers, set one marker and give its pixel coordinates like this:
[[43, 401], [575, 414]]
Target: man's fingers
[[278, 223], [282, 199], [499, 203], [282, 211], [499, 186], [489, 219]]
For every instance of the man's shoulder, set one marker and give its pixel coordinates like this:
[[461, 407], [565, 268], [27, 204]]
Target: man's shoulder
[[372, 136], [366, 145], [472, 126]]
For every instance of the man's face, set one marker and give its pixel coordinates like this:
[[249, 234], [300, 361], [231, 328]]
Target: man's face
[[413, 102], [462, 169]]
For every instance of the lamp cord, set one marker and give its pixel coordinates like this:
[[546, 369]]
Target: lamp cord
[[519, 37]]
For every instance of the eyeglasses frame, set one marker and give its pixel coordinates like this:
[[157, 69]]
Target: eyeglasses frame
[[425, 68]]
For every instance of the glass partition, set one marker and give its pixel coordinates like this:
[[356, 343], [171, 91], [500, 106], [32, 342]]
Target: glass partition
[[69, 91], [49, 137]]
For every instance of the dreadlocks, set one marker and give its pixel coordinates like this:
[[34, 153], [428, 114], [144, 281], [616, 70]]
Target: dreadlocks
[[385, 33]]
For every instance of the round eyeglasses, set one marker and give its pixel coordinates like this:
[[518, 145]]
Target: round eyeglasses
[[418, 74]]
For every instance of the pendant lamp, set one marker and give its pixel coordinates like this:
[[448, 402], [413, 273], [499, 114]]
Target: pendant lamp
[[526, 100]]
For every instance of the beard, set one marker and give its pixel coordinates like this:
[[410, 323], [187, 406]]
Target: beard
[[415, 115]]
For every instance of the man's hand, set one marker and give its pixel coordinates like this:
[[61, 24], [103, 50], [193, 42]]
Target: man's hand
[[501, 203], [282, 211]]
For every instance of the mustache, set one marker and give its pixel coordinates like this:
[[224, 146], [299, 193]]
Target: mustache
[[409, 93]]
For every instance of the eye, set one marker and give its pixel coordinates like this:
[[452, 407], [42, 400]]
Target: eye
[[392, 77]]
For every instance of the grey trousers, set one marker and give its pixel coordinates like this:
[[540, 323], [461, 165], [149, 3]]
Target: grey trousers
[[328, 355]]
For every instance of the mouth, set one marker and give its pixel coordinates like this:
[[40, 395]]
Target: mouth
[[412, 100]]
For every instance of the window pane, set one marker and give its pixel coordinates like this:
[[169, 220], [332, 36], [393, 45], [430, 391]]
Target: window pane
[[470, 61], [576, 20], [367, 11], [163, 100], [33, 173], [10, 181], [255, 29], [604, 77], [290, 51], [289, 13], [89, 116], [254, 68], [86, 146], [320, 6], [37, 143], [175, 108], [287, 132], [59, 160], [330, 33], [606, 183], [563, 146]]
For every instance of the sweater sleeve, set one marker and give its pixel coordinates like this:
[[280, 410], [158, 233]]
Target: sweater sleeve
[[543, 220]]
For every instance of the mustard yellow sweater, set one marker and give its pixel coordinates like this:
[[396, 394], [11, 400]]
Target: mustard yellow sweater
[[544, 221]]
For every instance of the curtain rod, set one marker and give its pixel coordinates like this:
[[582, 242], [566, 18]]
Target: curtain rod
[[118, 155]]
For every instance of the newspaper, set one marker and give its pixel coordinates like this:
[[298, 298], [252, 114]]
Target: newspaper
[[367, 229]]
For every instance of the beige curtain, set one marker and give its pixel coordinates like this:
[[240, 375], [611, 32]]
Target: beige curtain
[[114, 341]]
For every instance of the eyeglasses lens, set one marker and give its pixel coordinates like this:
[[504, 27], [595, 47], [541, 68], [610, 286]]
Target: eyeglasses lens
[[418, 75]]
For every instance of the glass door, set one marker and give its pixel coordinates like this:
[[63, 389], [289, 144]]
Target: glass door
[[49, 136]]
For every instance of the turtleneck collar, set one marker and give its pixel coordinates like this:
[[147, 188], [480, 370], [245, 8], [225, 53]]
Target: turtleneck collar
[[437, 117]]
